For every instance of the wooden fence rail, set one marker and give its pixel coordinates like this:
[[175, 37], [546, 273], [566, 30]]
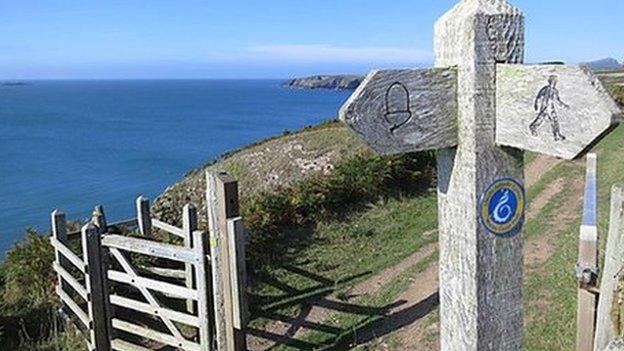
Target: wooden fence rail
[[125, 289]]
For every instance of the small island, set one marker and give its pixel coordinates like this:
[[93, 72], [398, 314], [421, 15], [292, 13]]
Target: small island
[[13, 84], [337, 82]]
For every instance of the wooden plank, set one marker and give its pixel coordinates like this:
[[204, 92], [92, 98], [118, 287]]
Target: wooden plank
[[142, 284], [164, 272], [205, 310], [606, 330], [151, 248], [59, 233], [96, 287], [172, 290], [73, 306], [588, 262], [222, 204], [154, 335], [143, 216], [123, 345], [238, 272], [168, 228], [69, 255], [189, 225], [154, 311], [69, 279], [405, 110]]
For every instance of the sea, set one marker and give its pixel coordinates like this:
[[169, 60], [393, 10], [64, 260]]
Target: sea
[[71, 145]]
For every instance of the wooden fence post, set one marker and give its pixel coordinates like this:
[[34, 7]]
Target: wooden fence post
[[96, 284], [98, 218], [59, 232], [143, 216], [189, 226], [606, 330], [204, 289], [587, 266], [238, 272], [222, 204]]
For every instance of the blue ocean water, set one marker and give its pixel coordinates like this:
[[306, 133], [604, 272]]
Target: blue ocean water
[[74, 144]]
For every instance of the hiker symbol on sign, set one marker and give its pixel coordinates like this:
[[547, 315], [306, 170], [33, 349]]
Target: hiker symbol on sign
[[547, 104]]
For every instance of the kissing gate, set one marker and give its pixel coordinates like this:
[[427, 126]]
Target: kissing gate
[[130, 293]]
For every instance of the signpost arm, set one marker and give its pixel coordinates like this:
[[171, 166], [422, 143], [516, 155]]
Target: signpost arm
[[480, 274]]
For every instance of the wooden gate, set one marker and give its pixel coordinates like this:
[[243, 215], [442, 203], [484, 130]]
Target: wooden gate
[[152, 292], [128, 291]]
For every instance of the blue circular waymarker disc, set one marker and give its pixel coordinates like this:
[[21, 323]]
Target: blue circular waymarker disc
[[502, 205]]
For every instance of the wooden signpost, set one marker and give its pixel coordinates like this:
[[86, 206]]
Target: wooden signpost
[[479, 108]]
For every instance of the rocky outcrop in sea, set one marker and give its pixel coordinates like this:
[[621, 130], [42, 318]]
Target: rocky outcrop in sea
[[340, 82]]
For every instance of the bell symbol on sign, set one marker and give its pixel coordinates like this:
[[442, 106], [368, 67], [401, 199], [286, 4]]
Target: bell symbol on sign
[[398, 111]]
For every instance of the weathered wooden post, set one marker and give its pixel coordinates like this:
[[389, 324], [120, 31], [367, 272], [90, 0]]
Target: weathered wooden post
[[222, 205], [97, 288], [607, 329], [189, 226], [98, 218], [480, 273], [204, 289], [587, 266], [143, 216], [238, 272], [479, 108], [59, 232]]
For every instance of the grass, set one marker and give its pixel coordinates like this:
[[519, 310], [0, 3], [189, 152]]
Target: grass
[[28, 319], [345, 252]]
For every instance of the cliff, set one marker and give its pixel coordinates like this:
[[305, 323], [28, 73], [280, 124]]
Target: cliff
[[267, 166], [341, 82]]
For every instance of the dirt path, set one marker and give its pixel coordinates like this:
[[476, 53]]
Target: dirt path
[[317, 311], [537, 251], [535, 170], [405, 319]]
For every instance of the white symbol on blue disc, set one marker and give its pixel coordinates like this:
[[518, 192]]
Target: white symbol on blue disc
[[503, 206]]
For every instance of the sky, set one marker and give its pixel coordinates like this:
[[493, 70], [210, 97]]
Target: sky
[[77, 39]]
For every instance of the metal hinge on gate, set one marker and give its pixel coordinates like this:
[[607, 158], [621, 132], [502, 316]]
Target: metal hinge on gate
[[587, 275]]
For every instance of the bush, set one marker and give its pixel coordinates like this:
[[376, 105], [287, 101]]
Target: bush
[[29, 303], [27, 273], [355, 182]]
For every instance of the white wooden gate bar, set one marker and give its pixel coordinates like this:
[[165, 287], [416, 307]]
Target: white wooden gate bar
[[151, 248]]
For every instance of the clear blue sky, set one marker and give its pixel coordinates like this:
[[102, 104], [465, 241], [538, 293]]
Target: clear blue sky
[[267, 38]]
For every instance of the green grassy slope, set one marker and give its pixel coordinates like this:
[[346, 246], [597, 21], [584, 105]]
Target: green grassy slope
[[267, 165]]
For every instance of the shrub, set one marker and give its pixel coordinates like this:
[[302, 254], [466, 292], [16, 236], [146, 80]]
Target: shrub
[[359, 180], [27, 273], [27, 312]]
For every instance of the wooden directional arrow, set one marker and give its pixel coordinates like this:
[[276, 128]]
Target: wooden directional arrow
[[551, 109], [405, 110]]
